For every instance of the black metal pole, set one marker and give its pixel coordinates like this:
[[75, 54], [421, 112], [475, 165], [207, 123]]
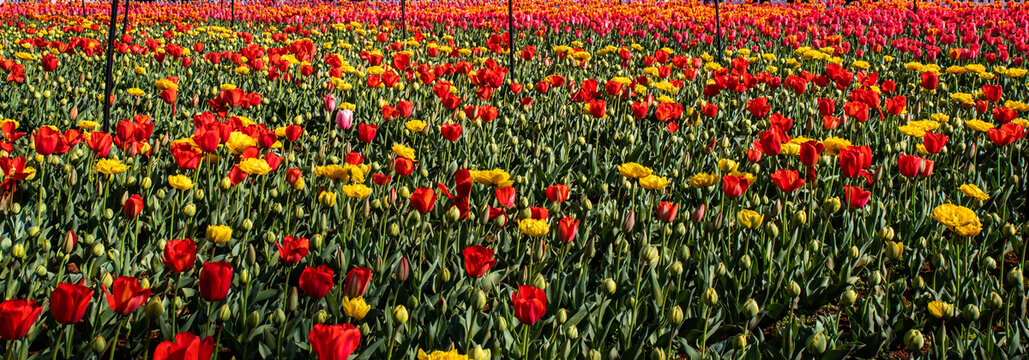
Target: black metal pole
[[510, 38], [403, 18], [83, 8], [125, 22], [718, 32], [108, 86], [914, 4]]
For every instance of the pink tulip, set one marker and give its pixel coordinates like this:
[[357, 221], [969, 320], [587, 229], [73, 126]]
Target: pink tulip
[[345, 119], [329, 101]]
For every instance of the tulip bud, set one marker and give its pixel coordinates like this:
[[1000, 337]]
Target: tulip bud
[[628, 221], [1014, 277], [710, 297], [594, 355], [739, 341], [913, 340], [69, 242], [99, 345], [750, 308], [540, 282], [502, 324], [253, 319], [698, 214], [650, 254], [989, 263], [800, 216], [400, 315], [478, 353], [154, 309], [676, 269], [816, 344], [609, 286], [675, 315], [745, 261], [478, 300], [278, 317], [402, 270], [793, 289], [848, 297], [657, 354], [894, 250], [293, 301]]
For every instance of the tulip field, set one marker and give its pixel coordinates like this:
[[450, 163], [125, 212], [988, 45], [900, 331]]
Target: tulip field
[[606, 180]]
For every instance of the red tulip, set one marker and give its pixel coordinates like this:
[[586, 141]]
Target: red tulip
[[530, 304], [403, 166], [48, 141], [759, 107], [505, 196], [734, 186], [293, 175], [381, 179], [356, 282], [667, 211], [993, 92], [787, 180], [451, 131], [49, 62], [366, 132], [810, 151], [215, 280], [423, 199], [126, 295], [910, 165], [293, 132], [557, 193], [16, 318], [856, 197], [133, 206], [538, 213], [406, 108], [930, 80], [927, 168], [933, 142], [567, 228], [100, 143], [478, 260], [316, 281], [68, 302], [826, 106], [180, 255], [334, 342], [853, 159], [292, 250], [754, 155], [185, 347]]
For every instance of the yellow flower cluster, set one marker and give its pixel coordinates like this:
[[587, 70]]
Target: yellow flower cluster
[[534, 227], [958, 219], [496, 177]]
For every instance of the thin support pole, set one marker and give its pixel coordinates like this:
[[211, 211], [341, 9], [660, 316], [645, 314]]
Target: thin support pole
[[109, 58], [718, 32], [510, 38], [403, 18], [125, 22]]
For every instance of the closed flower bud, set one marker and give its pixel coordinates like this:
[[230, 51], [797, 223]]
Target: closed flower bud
[[293, 301], [628, 221], [750, 308], [683, 253], [800, 216], [594, 355], [225, 313], [609, 286], [894, 250], [400, 314], [650, 254], [402, 270], [989, 263], [502, 323], [478, 300], [676, 269], [854, 253], [479, 354], [913, 340], [540, 282], [848, 297], [970, 312], [189, 210], [278, 317], [99, 345], [739, 341], [995, 301], [675, 315], [793, 289], [816, 344], [657, 354], [1014, 277], [710, 297], [154, 309], [253, 319]]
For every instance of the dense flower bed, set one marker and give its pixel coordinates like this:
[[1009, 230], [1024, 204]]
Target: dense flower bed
[[838, 182]]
